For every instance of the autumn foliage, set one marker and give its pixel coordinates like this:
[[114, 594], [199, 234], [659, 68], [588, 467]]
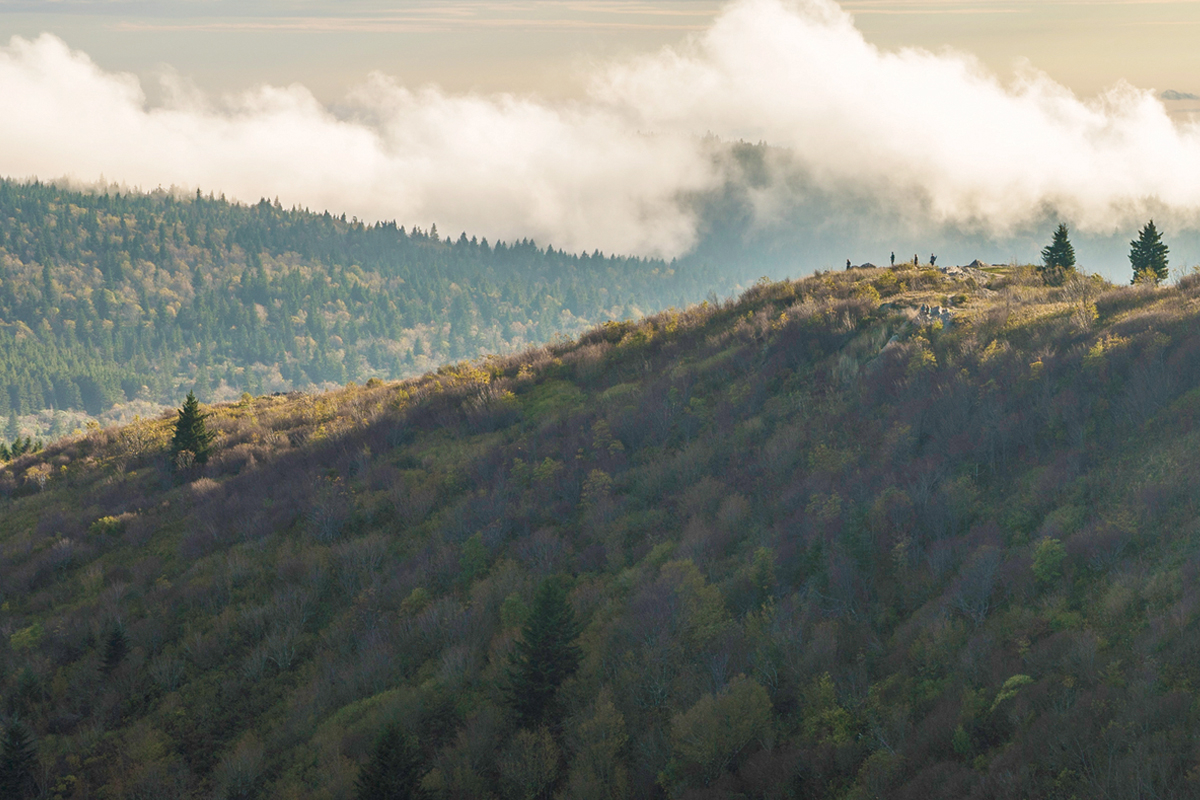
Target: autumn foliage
[[809, 543]]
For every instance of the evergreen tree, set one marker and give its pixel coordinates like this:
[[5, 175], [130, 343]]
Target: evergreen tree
[[394, 771], [545, 657], [115, 648], [1148, 256], [17, 762], [27, 695], [1058, 258], [191, 434]]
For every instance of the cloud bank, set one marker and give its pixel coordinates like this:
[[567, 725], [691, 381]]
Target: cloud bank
[[577, 176], [933, 136]]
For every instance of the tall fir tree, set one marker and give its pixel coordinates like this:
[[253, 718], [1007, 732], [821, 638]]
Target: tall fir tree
[[545, 657], [115, 648], [1058, 258], [191, 434], [394, 771], [1148, 256], [17, 762]]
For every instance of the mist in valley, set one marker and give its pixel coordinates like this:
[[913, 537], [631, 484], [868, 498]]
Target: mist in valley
[[870, 151]]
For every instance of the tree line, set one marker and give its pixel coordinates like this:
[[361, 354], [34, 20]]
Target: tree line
[[107, 297]]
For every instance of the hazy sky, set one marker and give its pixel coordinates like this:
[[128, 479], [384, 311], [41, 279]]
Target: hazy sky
[[548, 46], [581, 123]]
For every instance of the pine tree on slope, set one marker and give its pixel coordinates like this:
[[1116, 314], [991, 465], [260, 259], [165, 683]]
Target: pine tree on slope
[[394, 771], [1148, 256], [191, 434], [545, 657], [17, 762], [1058, 258]]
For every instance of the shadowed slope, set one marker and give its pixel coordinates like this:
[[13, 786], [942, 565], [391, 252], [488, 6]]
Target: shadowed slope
[[874, 533]]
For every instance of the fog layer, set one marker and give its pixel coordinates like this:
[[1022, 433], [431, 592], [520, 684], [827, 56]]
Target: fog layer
[[928, 139]]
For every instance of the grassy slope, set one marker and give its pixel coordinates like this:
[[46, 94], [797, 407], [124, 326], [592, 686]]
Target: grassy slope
[[956, 561]]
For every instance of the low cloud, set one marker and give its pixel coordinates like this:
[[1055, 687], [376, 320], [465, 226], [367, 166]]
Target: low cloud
[[1171, 94], [575, 175], [929, 138], [934, 129]]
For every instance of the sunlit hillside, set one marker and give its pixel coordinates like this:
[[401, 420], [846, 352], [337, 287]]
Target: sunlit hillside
[[893, 533]]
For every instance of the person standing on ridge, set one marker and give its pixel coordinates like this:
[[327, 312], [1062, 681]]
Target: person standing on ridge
[[893, 258]]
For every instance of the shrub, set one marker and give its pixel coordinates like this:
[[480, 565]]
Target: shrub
[[1122, 299], [597, 741], [27, 638], [1047, 560], [1189, 284], [107, 526], [529, 765], [239, 772], [709, 737]]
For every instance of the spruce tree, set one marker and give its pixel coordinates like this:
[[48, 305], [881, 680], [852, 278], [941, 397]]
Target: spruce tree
[[17, 762], [545, 657], [394, 771], [1148, 256], [115, 648], [1058, 258], [191, 434]]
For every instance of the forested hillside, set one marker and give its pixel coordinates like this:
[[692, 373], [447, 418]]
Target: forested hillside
[[880, 533], [108, 298]]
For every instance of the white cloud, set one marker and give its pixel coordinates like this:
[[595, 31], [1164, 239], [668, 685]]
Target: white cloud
[[935, 128], [509, 167], [933, 134]]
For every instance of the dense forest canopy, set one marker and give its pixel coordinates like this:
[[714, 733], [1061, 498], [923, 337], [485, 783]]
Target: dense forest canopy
[[900, 533], [112, 297]]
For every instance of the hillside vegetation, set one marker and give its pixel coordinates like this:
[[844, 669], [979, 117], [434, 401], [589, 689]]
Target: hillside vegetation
[[818, 543], [111, 299]]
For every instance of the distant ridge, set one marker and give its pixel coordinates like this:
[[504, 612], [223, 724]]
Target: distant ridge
[[107, 300]]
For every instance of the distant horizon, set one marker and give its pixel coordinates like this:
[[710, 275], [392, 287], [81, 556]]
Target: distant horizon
[[546, 47], [1100, 254], [893, 120]]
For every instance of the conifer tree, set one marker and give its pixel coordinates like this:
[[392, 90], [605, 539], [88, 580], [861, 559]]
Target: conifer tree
[[1148, 256], [394, 771], [545, 657], [28, 694], [17, 762], [191, 434], [115, 648], [1058, 258]]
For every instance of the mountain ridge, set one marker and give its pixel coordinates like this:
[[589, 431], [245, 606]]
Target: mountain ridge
[[820, 543], [130, 300]]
